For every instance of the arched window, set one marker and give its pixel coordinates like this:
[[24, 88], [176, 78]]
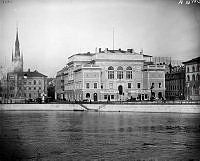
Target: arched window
[[119, 73], [193, 77], [87, 95], [193, 69], [198, 77], [128, 73], [188, 69], [34, 82], [110, 72], [188, 78]]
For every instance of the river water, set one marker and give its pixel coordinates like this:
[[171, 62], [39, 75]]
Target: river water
[[65, 135]]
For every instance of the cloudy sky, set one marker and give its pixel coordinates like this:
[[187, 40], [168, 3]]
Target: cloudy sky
[[52, 30]]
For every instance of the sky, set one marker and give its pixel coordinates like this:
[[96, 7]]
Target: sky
[[52, 30]]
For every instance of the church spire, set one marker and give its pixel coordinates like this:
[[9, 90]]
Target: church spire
[[17, 50]]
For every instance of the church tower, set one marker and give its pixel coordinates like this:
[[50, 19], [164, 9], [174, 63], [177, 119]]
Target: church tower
[[17, 58]]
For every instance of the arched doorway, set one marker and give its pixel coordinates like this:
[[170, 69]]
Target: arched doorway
[[120, 89], [95, 97], [87, 95]]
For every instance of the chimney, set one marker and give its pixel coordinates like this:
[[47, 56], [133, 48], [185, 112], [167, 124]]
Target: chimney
[[99, 50], [29, 70], [119, 49]]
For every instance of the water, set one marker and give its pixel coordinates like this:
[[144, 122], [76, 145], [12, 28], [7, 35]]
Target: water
[[64, 135]]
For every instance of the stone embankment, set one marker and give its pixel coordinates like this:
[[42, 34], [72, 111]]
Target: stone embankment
[[169, 108]]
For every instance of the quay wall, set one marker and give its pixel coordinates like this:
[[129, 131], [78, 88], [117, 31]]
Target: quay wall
[[184, 108], [41, 107]]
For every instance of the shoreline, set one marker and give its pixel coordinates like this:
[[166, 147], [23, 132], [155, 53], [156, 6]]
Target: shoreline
[[147, 108]]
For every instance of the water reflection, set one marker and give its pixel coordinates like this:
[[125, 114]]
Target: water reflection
[[99, 136]]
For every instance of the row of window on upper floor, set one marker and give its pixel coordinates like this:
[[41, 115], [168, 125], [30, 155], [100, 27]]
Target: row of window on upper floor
[[194, 78], [34, 82], [129, 85], [120, 74], [197, 69]]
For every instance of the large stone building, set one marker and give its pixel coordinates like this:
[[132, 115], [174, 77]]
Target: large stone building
[[175, 83], [111, 75], [192, 78]]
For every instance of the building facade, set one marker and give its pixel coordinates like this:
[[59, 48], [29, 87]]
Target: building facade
[[35, 84], [192, 78], [175, 83], [112, 75]]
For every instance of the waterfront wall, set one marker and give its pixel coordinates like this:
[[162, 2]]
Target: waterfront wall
[[42, 107], [192, 108]]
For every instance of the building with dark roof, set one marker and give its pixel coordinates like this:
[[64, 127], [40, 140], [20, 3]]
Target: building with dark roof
[[192, 78], [35, 84]]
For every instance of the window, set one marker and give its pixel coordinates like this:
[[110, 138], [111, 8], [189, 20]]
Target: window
[[34, 88], [111, 85], [102, 86], [29, 95], [159, 85], [105, 97], [193, 77], [24, 82], [95, 85], [193, 69], [87, 95], [39, 82], [188, 78], [128, 73], [152, 85], [112, 97], [129, 85], [39, 87], [24, 88], [138, 85], [188, 69], [29, 88], [110, 72], [198, 77], [29, 83], [34, 82], [119, 73], [87, 85]]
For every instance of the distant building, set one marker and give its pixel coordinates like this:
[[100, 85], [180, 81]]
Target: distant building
[[110, 75], [19, 84], [175, 83], [35, 84], [192, 78], [51, 87], [59, 85]]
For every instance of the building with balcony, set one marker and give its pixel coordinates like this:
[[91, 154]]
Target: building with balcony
[[192, 78], [111, 75]]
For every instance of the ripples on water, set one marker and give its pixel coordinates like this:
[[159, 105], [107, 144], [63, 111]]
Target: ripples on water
[[99, 136]]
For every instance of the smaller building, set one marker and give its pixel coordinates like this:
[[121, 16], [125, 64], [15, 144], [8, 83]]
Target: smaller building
[[35, 84], [59, 85], [192, 78], [175, 83]]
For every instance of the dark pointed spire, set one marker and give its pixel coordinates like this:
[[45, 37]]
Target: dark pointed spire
[[17, 51]]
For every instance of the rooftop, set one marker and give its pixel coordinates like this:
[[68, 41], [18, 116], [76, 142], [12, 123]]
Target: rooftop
[[195, 60], [33, 74]]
